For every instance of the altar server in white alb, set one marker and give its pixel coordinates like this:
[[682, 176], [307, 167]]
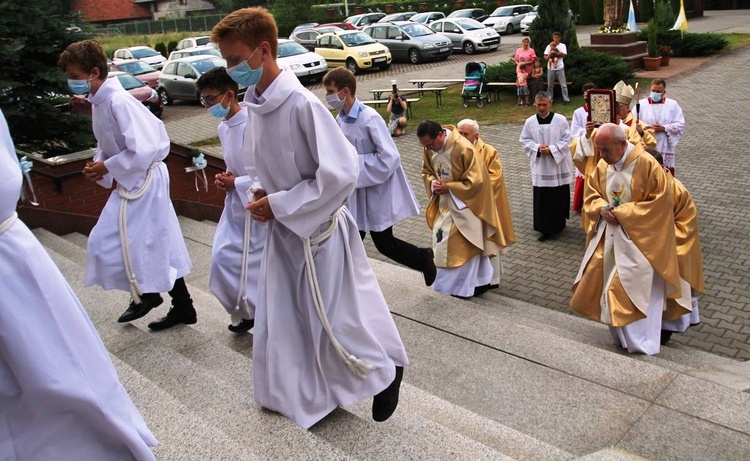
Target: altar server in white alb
[[545, 139], [323, 336], [666, 118], [239, 240], [383, 196], [60, 397], [137, 244]]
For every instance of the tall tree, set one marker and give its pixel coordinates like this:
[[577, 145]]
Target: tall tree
[[552, 17], [33, 36]]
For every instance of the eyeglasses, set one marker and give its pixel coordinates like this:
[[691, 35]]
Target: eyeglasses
[[427, 146], [210, 100]]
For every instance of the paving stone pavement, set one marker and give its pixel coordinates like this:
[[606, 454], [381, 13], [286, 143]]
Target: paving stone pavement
[[709, 162]]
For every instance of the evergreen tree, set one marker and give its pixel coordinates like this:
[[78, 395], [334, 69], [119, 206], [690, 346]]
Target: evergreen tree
[[586, 15], [288, 14], [31, 86], [646, 10], [599, 12], [552, 17]]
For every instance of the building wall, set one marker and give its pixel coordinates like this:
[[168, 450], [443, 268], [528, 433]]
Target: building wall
[[180, 8], [110, 10]]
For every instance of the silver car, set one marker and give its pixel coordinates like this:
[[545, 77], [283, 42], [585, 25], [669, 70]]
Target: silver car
[[526, 22], [467, 34], [178, 77], [411, 41], [507, 19]]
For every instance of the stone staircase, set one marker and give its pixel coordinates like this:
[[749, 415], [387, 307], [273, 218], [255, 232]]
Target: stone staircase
[[491, 378]]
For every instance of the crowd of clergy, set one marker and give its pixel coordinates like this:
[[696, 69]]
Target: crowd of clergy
[[288, 258]]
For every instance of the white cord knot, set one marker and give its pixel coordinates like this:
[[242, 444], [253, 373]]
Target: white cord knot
[[25, 164], [199, 164]]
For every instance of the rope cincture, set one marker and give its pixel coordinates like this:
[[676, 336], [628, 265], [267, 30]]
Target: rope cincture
[[241, 306], [354, 364], [199, 164], [25, 164], [8, 223], [135, 289]]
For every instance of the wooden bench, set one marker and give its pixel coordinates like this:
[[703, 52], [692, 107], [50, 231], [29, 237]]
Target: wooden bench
[[378, 102], [495, 87], [438, 93]]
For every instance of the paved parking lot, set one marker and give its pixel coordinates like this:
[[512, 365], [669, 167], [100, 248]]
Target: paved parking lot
[[710, 161]]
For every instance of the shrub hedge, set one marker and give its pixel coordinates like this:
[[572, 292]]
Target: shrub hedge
[[688, 45]]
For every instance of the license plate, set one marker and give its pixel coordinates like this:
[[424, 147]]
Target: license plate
[[443, 50], [378, 60]]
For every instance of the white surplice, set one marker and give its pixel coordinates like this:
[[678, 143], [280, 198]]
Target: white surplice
[[557, 169], [669, 115], [224, 279], [309, 170], [60, 397], [383, 196], [578, 122], [130, 139]]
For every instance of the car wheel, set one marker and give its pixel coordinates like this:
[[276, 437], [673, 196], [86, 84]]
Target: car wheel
[[414, 56], [351, 64], [165, 99], [509, 30], [469, 48]]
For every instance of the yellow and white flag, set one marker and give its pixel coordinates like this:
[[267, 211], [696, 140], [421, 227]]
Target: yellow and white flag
[[681, 23]]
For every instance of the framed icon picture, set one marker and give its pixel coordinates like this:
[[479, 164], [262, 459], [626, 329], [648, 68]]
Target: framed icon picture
[[601, 106]]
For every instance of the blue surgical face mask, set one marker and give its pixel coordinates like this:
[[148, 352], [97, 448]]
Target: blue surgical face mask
[[79, 86], [656, 97], [243, 74], [335, 101], [217, 110]]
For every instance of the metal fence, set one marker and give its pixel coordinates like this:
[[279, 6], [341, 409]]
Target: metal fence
[[187, 24]]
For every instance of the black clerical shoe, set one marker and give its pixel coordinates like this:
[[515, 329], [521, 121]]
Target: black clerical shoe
[[430, 271], [244, 326], [136, 311], [480, 290], [385, 403], [175, 316], [543, 237], [666, 335], [493, 286]]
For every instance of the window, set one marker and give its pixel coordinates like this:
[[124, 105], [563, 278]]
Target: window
[[184, 70], [452, 28], [394, 33], [438, 27], [171, 68]]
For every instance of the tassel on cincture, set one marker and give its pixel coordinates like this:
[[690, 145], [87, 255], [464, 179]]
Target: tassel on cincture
[[358, 367]]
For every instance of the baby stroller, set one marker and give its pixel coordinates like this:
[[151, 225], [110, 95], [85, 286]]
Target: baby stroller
[[474, 81]]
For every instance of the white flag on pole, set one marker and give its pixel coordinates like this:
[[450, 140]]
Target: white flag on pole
[[681, 23], [632, 26]]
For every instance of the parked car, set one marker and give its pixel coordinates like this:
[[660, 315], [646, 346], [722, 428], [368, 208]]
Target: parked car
[[138, 69], [365, 19], [467, 34], [305, 26], [353, 49], [195, 51], [427, 17], [403, 16], [507, 19], [411, 41], [531, 15], [192, 42], [306, 65], [306, 37], [178, 78], [144, 53], [341, 25], [140, 91], [477, 14]]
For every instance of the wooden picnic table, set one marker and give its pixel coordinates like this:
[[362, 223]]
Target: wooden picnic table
[[422, 81], [438, 91], [378, 102]]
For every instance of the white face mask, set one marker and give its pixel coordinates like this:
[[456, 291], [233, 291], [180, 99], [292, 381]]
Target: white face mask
[[335, 101]]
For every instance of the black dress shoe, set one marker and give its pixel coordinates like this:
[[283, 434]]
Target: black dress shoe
[[244, 326], [483, 289], [136, 311], [666, 335], [430, 271], [493, 286], [174, 317], [385, 403], [544, 237]]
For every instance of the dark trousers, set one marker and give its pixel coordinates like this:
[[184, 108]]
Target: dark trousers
[[402, 252], [179, 294], [551, 208]]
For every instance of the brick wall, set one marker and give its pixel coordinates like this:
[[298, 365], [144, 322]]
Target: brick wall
[[109, 10]]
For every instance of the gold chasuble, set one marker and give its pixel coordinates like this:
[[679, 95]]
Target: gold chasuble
[[689, 255], [495, 170], [614, 283], [586, 156], [649, 135], [464, 222]]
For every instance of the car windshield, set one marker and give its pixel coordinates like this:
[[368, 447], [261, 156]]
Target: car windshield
[[421, 17], [136, 68], [211, 51], [287, 49], [470, 24], [353, 19], [356, 39], [460, 14], [202, 41], [129, 82], [204, 65], [141, 53], [504, 11], [417, 30]]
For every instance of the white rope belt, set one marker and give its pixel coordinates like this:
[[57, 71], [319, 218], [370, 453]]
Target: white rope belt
[[135, 289], [355, 365], [241, 306], [8, 223]]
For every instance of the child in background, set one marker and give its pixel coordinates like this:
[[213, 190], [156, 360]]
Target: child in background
[[552, 63], [522, 88], [535, 82], [239, 240]]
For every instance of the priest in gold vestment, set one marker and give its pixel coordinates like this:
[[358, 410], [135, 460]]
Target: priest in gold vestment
[[461, 212], [630, 265], [469, 129]]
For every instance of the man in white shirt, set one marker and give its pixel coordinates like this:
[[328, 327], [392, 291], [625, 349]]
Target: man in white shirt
[[554, 55], [666, 118]]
